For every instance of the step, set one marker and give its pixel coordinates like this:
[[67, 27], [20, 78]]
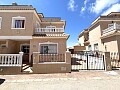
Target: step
[[25, 67], [27, 70]]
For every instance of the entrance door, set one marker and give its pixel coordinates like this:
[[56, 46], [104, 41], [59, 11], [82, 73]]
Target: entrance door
[[25, 49]]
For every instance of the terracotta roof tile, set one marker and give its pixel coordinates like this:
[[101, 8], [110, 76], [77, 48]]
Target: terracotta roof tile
[[50, 35]]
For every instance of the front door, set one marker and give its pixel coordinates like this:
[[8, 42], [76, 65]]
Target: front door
[[25, 49]]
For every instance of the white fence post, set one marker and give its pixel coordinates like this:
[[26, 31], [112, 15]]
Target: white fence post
[[114, 26], [21, 57]]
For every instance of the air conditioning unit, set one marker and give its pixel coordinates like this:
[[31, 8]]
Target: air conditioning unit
[[3, 45]]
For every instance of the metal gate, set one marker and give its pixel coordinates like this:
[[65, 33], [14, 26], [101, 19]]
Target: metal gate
[[115, 60], [87, 61]]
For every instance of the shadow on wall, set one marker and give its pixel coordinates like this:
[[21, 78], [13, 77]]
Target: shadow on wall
[[2, 81]]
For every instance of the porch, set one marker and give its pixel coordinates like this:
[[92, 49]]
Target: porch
[[13, 47], [11, 63]]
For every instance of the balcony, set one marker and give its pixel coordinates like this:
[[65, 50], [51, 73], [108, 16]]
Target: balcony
[[48, 30], [86, 40], [51, 19], [111, 29]]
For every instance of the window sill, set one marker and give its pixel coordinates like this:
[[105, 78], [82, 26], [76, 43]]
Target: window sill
[[18, 28]]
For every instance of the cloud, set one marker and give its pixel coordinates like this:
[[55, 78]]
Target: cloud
[[113, 8], [84, 7], [99, 5], [86, 1], [72, 5]]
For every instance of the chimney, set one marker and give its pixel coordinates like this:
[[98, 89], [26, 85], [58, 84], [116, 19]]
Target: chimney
[[14, 4]]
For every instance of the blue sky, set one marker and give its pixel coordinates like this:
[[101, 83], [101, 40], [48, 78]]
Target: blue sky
[[79, 14]]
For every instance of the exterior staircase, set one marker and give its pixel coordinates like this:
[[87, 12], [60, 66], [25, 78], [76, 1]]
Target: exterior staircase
[[26, 69]]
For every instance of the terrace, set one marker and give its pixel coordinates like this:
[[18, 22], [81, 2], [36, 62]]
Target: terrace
[[111, 29], [48, 30]]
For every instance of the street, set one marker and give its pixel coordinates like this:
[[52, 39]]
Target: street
[[83, 80], [63, 85]]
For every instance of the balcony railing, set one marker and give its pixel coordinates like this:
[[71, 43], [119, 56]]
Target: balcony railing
[[114, 27], [48, 30], [11, 59], [51, 58]]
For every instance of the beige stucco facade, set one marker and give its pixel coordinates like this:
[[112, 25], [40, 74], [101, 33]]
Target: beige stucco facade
[[7, 30], [61, 42], [94, 37], [13, 47], [81, 40], [37, 41]]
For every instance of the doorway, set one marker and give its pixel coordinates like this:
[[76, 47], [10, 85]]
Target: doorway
[[25, 48]]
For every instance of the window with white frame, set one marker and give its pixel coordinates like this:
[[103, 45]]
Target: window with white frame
[[89, 48], [0, 22], [48, 48], [96, 47], [18, 22]]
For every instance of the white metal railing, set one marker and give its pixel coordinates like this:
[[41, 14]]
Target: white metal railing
[[111, 29], [11, 59], [51, 58], [47, 30]]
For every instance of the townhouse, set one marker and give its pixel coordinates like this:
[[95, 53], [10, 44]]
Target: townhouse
[[22, 29], [103, 34]]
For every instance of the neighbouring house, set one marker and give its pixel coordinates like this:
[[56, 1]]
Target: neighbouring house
[[103, 34], [79, 48], [76, 49], [22, 29], [71, 49], [83, 38]]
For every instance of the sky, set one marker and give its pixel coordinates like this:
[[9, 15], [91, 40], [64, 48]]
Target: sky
[[79, 14]]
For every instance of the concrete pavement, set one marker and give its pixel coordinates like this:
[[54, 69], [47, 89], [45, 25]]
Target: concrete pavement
[[83, 80]]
